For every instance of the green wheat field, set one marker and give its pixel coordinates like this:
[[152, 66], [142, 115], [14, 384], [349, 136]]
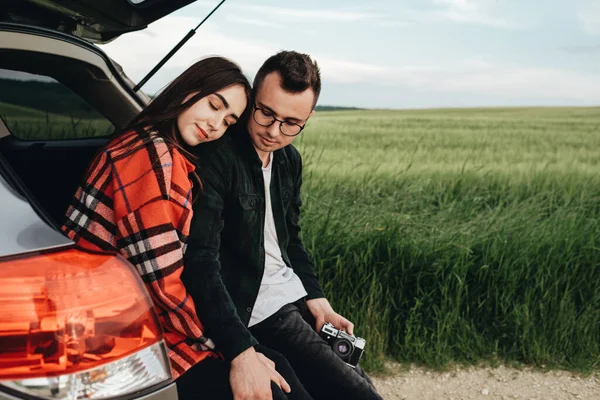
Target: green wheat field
[[459, 236], [449, 236]]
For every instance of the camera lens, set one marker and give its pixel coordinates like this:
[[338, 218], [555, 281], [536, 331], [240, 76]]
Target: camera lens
[[343, 348]]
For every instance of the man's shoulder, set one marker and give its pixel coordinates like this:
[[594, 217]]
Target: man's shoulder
[[292, 151], [220, 151]]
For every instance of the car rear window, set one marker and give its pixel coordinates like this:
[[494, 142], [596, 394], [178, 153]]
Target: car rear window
[[37, 107]]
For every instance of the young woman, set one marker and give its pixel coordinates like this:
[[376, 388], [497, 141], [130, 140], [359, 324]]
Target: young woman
[[137, 199]]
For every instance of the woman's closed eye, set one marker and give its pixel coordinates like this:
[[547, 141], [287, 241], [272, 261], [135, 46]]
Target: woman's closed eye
[[230, 120]]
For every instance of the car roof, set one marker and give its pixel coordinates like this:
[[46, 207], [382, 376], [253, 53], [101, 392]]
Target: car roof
[[98, 21]]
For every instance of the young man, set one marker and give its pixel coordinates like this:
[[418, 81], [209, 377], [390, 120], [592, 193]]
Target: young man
[[246, 268]]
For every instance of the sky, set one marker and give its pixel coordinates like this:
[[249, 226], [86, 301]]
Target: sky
[[394, 53]]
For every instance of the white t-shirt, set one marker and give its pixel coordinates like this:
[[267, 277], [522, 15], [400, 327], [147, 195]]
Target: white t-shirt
[[280, 285]]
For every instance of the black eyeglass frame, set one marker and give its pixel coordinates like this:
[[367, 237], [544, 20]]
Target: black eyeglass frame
[[281, 122]]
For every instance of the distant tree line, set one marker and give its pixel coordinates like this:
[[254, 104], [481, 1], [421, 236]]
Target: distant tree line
[[335, 108], [51, 97]]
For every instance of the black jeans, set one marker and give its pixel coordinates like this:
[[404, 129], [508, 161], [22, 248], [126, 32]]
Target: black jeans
[[290, 331], [209, 379]]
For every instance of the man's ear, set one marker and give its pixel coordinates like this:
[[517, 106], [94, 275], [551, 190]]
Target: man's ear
[[311, 113]]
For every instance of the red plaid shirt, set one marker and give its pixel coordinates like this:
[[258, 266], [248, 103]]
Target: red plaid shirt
[[136, 199]]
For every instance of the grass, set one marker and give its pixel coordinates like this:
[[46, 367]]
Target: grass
[[460, 235]]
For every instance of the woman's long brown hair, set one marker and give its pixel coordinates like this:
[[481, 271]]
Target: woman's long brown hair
[[202, 78]]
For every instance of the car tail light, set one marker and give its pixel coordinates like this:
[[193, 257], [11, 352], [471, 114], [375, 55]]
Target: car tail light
[[77, 325]]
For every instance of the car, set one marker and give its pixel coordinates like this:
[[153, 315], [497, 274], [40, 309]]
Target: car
[[73, 324]]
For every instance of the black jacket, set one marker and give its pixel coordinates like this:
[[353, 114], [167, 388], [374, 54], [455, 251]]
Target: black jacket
[[225, 257]]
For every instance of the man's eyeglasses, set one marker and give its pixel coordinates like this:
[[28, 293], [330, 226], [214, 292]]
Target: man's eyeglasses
[[266, 118]]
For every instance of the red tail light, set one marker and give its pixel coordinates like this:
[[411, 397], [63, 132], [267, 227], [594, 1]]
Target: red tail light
[[73, 313]]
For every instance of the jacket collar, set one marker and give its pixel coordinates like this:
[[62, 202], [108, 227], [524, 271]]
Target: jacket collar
[[241, 138]]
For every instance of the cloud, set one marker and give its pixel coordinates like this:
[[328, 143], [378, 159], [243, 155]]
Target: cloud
[[479, 12], [466, 76], [501, 80], [589, 15], [471, 76], [253, 21], [516, 82], [250, 54], [581, 49], [344, 71], [393, 24], [138, 59], [292, 14]]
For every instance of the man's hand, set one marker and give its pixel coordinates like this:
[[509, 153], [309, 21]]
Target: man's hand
[[251, 375], [323, 312]]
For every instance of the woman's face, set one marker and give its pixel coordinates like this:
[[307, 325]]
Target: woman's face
[[210, 116]]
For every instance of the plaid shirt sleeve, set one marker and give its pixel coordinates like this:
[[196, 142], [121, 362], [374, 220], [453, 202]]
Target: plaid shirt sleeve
[[151, 238]]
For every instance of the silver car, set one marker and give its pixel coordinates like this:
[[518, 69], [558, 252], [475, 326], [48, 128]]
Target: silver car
[[73, 324]]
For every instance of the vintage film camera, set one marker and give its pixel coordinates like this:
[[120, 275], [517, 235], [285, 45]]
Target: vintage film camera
[[349, 348]]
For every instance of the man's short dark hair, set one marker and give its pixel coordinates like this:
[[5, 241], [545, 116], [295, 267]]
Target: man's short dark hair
[[298, 72]]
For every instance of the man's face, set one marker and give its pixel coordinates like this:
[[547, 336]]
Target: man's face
[[272, 99]]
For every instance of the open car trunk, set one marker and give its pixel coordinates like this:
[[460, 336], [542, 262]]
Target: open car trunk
[[95, 20], [61, 99]]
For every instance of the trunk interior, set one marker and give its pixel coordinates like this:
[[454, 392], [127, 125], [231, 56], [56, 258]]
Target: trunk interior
[[56, 112]]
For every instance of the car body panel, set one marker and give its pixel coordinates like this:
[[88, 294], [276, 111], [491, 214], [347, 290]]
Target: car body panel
[[98, 21], [21, 228], [166, 393]]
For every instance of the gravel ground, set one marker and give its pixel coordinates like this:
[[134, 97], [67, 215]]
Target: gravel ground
[[500, 383]]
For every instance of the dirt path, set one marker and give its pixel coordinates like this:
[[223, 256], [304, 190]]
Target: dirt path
[[486, 384]]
